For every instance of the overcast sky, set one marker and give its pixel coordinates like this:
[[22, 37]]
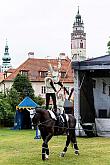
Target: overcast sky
[[44, 27]]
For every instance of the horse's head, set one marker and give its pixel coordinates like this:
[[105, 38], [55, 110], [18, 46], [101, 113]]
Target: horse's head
[[36, 119]]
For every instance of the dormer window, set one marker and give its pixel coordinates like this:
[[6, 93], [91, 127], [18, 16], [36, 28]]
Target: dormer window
[[43, 74], [24, 72]]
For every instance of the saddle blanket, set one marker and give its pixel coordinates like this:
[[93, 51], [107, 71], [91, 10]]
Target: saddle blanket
[[67, 118], [52, 115]]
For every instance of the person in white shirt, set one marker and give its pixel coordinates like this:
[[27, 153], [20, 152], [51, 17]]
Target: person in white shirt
[[55, 71], [50, 91]]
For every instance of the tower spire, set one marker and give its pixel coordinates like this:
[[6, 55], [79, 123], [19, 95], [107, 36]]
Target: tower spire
[[6, 59], [78, 9]]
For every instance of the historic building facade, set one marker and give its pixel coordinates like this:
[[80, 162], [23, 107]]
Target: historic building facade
[[78, 39], [36, 69]]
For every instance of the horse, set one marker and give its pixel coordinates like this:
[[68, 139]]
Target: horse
[[49, 127]]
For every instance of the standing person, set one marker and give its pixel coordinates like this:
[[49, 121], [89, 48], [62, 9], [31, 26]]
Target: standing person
[[60, 101], [50, 91], [55, 71]]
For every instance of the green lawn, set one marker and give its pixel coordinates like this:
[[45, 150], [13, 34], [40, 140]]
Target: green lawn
[[20, 148]]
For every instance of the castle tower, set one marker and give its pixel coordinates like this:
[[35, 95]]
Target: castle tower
[[78, 40], [6, 60]]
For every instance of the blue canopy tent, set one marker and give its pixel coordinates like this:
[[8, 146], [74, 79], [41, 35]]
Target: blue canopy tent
[[27, 103], [22, 116]]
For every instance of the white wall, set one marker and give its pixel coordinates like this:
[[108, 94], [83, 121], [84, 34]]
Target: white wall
[[37, 86], [4, 86], [101, 100]]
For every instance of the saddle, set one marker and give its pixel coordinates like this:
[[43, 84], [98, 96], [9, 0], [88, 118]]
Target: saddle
[[62, 120]]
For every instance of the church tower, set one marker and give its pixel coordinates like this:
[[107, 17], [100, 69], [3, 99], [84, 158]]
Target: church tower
[[6, 60], [78, 40]]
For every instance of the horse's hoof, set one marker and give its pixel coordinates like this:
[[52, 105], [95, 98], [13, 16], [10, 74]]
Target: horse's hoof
[[46, 157], [76, 152], [62, 154]]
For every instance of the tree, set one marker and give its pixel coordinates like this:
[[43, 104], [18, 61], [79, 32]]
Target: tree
[[6, 113], [39, 100], [13, 98], [23, 86]]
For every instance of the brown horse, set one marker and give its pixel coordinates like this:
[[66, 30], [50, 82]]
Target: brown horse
[[50, 127]]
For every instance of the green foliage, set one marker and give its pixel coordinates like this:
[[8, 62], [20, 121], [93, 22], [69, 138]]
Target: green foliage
[[23, 86], [108, 46], [13, 98], [6, 112], [39, 100], [8, 106]]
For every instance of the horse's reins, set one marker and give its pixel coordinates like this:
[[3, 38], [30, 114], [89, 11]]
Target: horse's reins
[[43, 123]]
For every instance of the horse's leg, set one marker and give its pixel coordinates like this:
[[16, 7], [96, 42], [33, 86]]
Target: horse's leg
[[62, 154], [45, 149], [47, 152], [74, 142]]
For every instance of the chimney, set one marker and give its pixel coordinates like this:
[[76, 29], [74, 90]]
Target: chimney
[[62, 56], [31, 55]]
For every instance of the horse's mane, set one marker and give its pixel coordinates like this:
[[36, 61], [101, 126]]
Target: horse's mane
[[41, 111]]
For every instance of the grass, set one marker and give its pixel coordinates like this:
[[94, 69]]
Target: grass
[[20, 148]]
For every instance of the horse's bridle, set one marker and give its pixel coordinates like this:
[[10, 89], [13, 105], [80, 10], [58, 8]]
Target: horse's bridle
[[41, 123]]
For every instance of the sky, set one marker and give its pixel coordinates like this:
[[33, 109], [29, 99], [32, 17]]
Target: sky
[[45, 26]]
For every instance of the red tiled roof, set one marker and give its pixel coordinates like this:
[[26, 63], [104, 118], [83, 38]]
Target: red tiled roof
[[34, 66], [1, 73], [11, 70]]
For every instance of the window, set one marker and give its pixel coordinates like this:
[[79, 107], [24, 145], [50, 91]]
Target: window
[[43, 74], [102, 113], [63, 74], [81, 45], [43, 90], [104, 87], [24, 72], [109, 90], [94, 83]]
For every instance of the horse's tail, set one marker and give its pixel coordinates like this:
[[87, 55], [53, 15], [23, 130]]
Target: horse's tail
[[72, 121]]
